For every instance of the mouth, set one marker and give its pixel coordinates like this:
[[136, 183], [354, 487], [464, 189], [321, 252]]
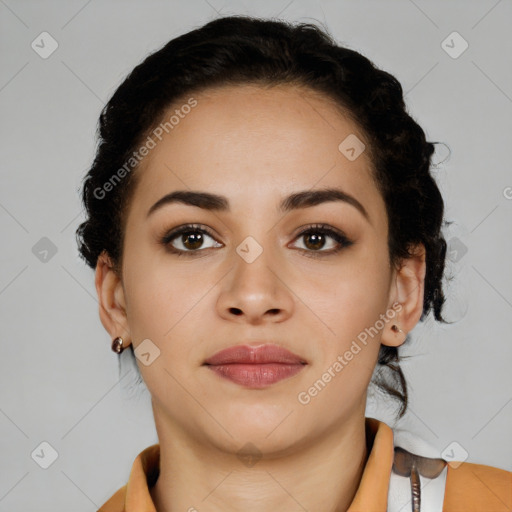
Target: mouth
[[255, 367]]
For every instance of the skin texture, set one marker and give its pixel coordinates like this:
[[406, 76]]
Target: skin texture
[[255, 146]]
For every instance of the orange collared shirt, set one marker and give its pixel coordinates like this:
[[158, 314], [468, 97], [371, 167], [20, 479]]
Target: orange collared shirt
[[469, 487]]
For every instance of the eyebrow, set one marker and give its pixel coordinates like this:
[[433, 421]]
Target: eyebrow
[[295, 201]]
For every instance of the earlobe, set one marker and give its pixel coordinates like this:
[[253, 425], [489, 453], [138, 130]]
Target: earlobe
[[112, 304], [407, 290], [393, 334]]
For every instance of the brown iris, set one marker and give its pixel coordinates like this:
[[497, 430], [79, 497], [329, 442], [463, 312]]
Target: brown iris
[[318, 241], [194, 238]]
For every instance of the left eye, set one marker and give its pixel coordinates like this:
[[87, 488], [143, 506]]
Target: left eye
[[315, 239]]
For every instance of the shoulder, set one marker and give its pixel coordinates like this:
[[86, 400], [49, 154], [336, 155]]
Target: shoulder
[[135, 495], [476, 487], [116, 502]]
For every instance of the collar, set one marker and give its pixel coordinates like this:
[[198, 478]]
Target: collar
[[372, 493]]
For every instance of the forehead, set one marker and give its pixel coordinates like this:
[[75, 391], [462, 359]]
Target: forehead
[[256, 145]]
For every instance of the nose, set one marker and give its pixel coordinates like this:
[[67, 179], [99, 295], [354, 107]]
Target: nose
[[255, 291]]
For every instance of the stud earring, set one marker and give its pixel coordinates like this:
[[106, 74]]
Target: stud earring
[[117, 345]]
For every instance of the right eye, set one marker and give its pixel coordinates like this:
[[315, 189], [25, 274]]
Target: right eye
[[190, 236]]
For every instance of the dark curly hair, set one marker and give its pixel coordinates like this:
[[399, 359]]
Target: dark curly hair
[[237, 50]]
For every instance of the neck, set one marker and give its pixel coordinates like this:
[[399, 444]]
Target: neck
[[321, 474]]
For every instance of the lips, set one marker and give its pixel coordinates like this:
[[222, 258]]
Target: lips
[[255, 367], [263, 354]]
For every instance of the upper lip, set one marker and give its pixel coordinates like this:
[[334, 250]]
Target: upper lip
[[246, 354]]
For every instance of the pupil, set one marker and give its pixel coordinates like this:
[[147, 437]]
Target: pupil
[[196, 240], [319, 241]]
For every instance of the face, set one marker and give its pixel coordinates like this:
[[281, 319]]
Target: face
[[308, 276]]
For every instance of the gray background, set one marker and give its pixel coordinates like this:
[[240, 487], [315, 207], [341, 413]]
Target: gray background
[[59, 379]]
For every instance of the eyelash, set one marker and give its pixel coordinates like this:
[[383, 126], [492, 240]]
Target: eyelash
[[324, 229]]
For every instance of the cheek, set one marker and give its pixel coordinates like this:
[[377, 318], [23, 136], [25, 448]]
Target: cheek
[[168, 306], [350, 303], [159, 302], [162, 310], [153, 286], [351, 296]]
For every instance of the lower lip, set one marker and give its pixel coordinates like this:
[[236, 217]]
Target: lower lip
[[256, 375]]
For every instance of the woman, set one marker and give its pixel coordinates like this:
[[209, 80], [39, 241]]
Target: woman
[[266, 232]]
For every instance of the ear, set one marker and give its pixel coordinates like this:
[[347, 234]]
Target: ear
[[112, 304], [406, 297]]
